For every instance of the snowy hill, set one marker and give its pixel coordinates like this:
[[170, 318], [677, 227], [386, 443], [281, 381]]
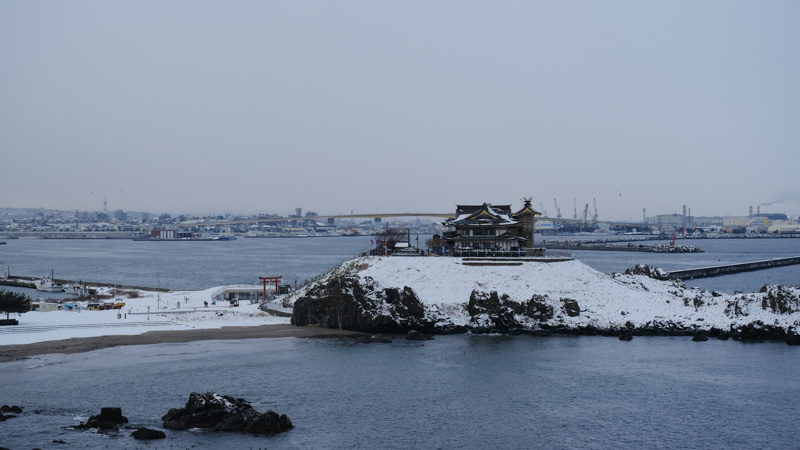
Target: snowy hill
[[433, 294]]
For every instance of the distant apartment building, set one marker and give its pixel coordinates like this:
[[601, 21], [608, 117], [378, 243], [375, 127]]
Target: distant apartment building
[[708, 221], [668, 223], [784, 227]]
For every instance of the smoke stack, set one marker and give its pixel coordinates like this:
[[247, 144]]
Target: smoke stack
[[759, 209], [751, 210]]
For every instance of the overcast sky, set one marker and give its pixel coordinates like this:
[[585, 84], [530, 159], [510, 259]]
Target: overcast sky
[[338, 106]]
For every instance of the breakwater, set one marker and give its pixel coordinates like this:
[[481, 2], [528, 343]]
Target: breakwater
[[579, 245], [28, 282], [714, 271]]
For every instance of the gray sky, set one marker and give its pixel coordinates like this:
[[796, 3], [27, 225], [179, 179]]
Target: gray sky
[[264, 106]]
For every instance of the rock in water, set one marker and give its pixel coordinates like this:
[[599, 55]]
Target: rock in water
[[223, 413], [145, 434], [376, 340], [414, 335], [107, 419], [626, 335], [699, 338]]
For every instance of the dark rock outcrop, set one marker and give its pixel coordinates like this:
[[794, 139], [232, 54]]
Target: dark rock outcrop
[[146, 434], [489, 309], [10, 409], [626, 335], [570, 307], [792, 338], [9, 412], [648, 271], [779, 300], [223, 413], [343, 303], [109, 418], [414, 335], [539, 309], [699, 338], [375, 340], [758, 331]]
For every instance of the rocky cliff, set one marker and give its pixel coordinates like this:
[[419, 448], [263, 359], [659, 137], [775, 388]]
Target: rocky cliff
[[443, 295]]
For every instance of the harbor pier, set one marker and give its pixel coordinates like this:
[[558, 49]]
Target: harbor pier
[[704, 272]]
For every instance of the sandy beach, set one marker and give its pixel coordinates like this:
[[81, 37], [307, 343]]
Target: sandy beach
[[87, 344]]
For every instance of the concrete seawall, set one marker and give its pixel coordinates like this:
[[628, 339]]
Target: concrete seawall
[[704, 272], [23, 281]]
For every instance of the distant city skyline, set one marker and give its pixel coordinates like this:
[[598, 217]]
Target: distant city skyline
[[262, 107], [756, 209]]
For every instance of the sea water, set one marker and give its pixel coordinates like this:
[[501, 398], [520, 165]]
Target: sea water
[[205, 264], [452, 392], [180, 264]]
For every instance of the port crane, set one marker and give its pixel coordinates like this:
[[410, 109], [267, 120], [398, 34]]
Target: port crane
[[574, 209], [558, 210], [585, 214], [544, 211], [594, 218]]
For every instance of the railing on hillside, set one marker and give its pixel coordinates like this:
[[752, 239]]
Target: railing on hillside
[[473, 253]]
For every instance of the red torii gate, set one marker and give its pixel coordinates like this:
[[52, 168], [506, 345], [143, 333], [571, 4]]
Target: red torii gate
[[266, 280]]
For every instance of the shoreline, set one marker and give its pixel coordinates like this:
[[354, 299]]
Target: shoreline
[[87, 344]]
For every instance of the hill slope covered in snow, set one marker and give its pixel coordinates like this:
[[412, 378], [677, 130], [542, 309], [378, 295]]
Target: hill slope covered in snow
[[445, 295]]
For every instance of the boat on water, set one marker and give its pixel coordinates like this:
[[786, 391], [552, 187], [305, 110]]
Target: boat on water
[[47, 284], [226, 235], [76, 290]]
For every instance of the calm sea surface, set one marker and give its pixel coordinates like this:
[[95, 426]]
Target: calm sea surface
[[452, 392], [200, 265], [180, 264]]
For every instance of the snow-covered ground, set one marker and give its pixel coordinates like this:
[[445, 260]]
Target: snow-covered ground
[[133, 318], [445, 285]]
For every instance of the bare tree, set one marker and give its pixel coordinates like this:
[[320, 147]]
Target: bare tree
[[438, 245], [388, 237]]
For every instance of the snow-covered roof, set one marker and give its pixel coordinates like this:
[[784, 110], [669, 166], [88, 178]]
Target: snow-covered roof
[[483, 215]]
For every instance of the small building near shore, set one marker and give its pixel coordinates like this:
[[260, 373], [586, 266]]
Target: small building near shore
[[492, 229]]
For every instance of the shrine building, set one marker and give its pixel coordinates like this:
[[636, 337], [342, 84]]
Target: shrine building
[[491, 228]]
